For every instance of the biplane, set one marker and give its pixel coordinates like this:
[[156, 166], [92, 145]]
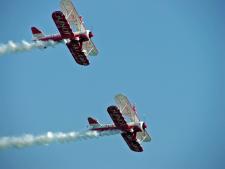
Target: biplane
[[133, 132], [79, 43]]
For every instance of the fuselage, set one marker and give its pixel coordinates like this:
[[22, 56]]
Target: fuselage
[[79, 36], [132, 127]]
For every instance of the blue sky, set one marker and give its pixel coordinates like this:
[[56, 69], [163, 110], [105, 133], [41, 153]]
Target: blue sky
[[168, 57]]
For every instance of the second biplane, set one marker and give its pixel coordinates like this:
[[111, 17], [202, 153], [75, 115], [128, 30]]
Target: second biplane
[[133, 132]]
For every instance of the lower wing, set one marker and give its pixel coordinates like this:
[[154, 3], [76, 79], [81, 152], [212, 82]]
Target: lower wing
[[62, 25], [133, 145], [77, 53], [117, 118]]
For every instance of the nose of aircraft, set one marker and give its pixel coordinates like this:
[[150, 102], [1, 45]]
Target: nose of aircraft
[[90, 34], [144, 126]]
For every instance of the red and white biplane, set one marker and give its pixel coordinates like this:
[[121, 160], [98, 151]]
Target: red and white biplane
[[133, 132], [79, 42]]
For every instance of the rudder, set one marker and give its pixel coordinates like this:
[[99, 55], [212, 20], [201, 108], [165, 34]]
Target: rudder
[[37, 34], [93, 122]]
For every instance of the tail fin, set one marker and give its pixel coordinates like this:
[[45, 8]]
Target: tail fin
[[37, 34], [93, 122]]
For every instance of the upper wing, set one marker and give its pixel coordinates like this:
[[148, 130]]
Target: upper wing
[[62, 24], [133, 145], [143, 136], [126, 108], [90, 48], [75, 20], [77, 53], [71, 14], [117, 118]]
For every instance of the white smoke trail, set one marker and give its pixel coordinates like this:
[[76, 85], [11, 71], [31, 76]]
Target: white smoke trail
[[50, 137], [12, 47]]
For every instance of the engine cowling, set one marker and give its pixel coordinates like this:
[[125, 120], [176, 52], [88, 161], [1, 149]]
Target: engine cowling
[[90, 34], [144, 126]]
